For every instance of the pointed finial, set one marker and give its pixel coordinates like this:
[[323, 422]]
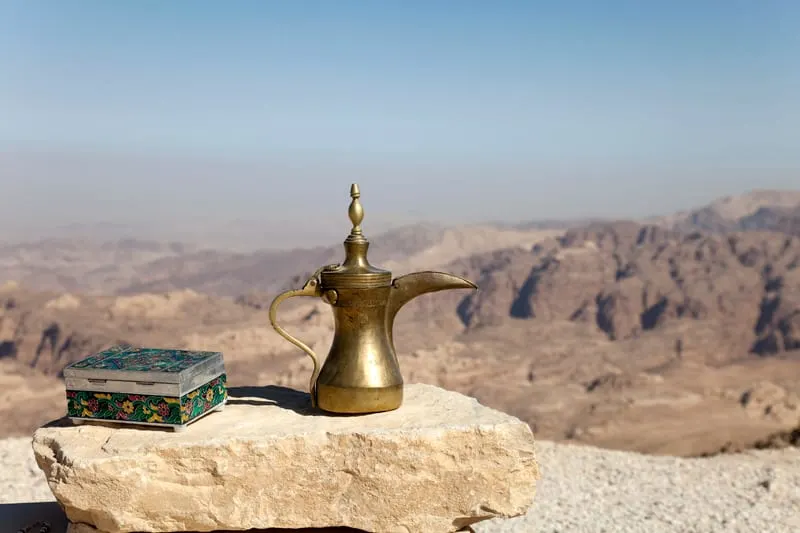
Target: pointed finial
[[356, 212]]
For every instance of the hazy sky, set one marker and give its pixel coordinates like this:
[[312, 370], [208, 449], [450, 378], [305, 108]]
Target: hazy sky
[[442, 110]]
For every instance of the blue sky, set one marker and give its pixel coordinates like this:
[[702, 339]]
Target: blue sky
[[528, 109]]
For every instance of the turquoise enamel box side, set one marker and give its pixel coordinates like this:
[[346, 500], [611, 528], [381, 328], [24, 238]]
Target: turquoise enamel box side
[[148, 409], [146, 386]]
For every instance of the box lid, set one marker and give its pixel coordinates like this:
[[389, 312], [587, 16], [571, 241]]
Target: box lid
[[155, 365]]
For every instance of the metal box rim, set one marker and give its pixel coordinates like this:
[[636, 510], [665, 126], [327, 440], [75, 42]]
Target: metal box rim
[[184, 381]]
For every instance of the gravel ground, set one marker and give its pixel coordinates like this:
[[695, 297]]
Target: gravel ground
[[20, 478], [591, 490], [586, 489]]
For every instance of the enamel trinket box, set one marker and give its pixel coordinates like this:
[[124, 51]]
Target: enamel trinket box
[[147, 386]]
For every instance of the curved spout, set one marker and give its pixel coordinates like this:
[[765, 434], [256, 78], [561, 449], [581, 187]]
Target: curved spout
[[406, 288]]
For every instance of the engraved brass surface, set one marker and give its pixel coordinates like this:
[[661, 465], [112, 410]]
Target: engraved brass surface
[[361, 373]]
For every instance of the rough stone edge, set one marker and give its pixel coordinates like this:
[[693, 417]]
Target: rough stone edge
[[52, 451], [46, 460]]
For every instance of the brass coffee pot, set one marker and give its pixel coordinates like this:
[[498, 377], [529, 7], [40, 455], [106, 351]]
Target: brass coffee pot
[[361, 373]]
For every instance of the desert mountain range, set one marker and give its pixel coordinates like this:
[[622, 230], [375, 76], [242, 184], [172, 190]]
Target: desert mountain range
[[676, 334]]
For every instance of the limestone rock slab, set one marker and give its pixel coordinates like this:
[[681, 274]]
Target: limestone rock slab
[[439, 463]]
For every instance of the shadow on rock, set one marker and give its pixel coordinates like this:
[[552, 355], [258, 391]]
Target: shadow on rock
[[283, 397]]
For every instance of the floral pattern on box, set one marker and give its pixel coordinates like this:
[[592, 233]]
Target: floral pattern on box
[[147, 408], [129, 359]]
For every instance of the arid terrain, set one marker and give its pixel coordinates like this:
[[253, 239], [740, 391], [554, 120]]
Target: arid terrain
[[672, 335]]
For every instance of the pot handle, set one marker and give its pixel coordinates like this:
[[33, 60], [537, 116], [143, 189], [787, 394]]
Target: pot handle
[[311, 288]]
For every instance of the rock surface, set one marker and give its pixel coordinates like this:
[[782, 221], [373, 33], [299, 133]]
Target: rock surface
[[583, 489], [439, 463]]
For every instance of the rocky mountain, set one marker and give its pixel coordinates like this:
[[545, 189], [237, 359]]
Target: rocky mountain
[[758, 209], [83, 264], [782, 219], [130, 267], [627, 279]]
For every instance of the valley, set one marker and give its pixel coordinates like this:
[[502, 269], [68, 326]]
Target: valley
[[671, 335]]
